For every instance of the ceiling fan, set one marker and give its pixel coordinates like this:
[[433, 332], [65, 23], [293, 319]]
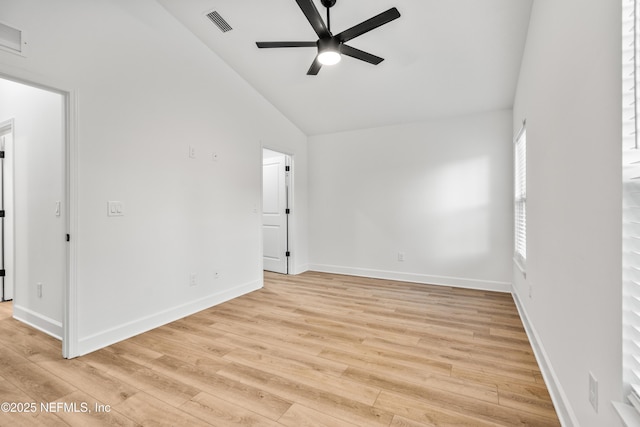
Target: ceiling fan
[[330, 47]]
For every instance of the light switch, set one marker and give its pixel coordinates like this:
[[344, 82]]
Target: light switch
[[58, 208], [115, 208]]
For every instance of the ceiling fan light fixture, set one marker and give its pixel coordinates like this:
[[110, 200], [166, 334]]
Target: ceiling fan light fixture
[[329, 51], [329, 57]]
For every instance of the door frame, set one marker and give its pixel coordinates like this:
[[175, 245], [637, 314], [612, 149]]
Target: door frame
[[289, 184], [70, 195], [7, 191]]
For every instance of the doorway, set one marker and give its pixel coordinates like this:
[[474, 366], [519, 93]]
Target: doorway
[[7, 269], [276, 210], [34, 224]]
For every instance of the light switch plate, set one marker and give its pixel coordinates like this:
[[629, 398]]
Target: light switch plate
[[115, 208]]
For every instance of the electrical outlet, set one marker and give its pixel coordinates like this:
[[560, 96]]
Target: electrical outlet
[[192, 152], [593, 392], [216, 274], [193, 279], [400, 256]]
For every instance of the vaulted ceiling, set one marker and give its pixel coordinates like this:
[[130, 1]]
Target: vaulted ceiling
[[442, 58]]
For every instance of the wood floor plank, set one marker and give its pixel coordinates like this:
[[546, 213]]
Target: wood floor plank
[[314, 349], [221, 413], [256, 399], [299, 372], [38, 383], [301, 416], [400, 421], [28, 342], [147, 410], [92, 381], [99, 414], [341, 407], [10, 393], [424, 412]]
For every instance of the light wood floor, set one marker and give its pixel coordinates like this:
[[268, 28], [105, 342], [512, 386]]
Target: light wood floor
[[307, 350]]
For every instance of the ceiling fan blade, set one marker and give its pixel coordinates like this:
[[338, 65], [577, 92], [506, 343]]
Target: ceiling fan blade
[[314, 18], [360, 54], [315, 67], [285, 44], [369, 24]]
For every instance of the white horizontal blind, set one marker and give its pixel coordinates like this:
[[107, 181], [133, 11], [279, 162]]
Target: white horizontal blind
[[630, 207], [520, 213]]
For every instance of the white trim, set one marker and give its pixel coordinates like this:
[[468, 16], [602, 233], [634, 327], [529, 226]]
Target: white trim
[[558, 396], [301, 269], [519, 133], [458, 282], [8, 180], [69, 316], [628, 414], [35, 320], [518, 264], [127, 330]]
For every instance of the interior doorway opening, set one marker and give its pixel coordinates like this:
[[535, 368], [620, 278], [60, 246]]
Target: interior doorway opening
[[34, 122], [7, 265], [276, 211]]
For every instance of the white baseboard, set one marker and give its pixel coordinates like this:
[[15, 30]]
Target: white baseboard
[[558, 396], [458, 282], [300, 269], [122, 332], [38, 321]]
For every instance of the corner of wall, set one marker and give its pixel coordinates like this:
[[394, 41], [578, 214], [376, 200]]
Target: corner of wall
[[558, 396]]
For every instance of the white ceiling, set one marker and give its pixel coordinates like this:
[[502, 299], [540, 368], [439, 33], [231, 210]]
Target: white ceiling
[[442, 58]]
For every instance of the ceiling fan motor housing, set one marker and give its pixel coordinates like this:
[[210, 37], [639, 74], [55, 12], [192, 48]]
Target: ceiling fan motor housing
[[329, 44], [328, 3]]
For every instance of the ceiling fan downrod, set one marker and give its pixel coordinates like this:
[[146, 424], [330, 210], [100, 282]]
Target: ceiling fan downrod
[[328, 4]]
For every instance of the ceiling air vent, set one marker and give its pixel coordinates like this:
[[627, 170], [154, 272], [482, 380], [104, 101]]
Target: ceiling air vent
[[11, 39], [219, 21]]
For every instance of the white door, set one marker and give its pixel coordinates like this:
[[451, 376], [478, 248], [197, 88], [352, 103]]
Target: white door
[[274, 211], [6, 293], [6, 221]]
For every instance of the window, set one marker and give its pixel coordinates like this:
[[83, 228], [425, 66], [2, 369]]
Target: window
[[520, 199], [630, 208]]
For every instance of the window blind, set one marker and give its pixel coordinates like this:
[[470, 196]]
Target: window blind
[[630, 206], [520, 199]]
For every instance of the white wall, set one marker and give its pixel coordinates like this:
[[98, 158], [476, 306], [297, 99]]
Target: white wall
[[439, 191], [35, 169], [569, 93], [146, 90]]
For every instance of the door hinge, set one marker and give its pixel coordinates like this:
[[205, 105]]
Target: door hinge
[[68, 238], [286, 211], [287, 168], [2, 154], [287, 253], [3, 273], [1, 213]]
